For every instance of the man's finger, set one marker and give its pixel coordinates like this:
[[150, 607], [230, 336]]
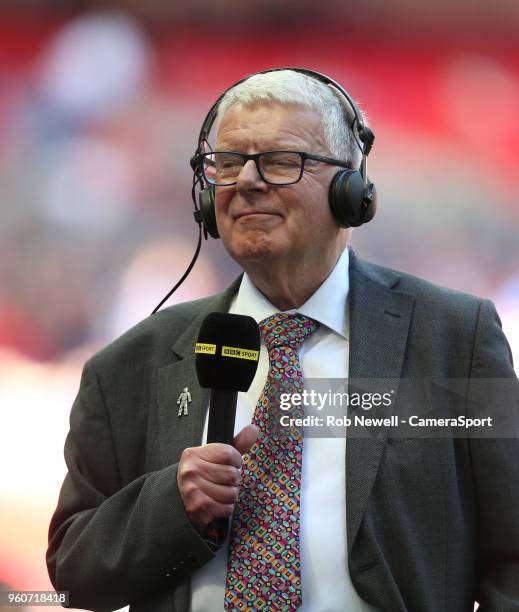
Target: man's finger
[[246, 438]]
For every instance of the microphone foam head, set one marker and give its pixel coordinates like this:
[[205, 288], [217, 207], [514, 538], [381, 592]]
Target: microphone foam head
[[227, 351]]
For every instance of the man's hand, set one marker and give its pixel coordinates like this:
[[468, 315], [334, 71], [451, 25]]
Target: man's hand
[[209, 476]]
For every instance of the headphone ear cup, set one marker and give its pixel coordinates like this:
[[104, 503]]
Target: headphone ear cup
[[207, 212], [351, 204]]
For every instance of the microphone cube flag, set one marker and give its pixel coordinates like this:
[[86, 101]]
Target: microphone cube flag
[[227, 351]]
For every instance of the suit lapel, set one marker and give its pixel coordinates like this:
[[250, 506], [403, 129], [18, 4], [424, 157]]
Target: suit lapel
[[178, 432], [379, 325]]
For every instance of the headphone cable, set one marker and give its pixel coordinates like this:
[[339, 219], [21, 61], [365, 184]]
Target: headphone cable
[[195, 256]]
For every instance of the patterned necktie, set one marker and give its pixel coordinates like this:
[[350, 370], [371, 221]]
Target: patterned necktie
[[264, 566]]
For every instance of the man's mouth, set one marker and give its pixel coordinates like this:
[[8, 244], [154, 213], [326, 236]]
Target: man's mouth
[[256, 213]]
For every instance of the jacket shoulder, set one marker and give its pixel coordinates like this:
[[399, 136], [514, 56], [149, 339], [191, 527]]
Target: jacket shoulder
[[153, 337], [424, 291]]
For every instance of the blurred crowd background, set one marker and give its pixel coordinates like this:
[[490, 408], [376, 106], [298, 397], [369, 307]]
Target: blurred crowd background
[[100, 108]]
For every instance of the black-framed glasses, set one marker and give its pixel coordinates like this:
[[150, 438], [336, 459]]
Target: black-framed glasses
[[222, 168]]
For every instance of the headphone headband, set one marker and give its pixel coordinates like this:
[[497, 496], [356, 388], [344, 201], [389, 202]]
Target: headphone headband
[[366, 135]]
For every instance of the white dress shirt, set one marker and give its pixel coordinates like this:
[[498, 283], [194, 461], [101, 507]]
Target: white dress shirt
[[326, 582]]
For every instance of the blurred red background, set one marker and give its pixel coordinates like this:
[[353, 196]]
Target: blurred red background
[[99, 114]]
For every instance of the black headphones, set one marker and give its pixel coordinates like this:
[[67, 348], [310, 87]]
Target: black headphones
[[352, 197]]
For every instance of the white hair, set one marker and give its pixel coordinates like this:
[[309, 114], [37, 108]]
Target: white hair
[[290, 87]]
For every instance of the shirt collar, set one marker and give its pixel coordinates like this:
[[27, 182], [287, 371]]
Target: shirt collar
[[327, 304]]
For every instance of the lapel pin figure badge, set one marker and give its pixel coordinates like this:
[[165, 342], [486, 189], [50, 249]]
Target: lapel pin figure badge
[[183, 402]]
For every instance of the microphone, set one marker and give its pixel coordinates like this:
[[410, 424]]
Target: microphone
[[227, 353]]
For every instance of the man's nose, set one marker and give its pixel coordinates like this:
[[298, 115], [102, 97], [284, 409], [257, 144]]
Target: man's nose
[[250, 179]]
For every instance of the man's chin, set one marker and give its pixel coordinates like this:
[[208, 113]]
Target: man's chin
[[251, 249]]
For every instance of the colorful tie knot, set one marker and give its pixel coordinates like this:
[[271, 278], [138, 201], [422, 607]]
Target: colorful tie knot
[[282, 329]]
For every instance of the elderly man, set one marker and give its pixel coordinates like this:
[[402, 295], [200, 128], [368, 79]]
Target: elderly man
[[370, 523]]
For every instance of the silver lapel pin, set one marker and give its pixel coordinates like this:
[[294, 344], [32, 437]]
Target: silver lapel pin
[[183, 401]]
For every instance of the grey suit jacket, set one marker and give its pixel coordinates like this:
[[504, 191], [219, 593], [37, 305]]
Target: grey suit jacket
[[432, 524]]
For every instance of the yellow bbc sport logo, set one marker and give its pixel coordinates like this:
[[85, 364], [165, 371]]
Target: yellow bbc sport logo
[[239, 353], [206, 349]]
